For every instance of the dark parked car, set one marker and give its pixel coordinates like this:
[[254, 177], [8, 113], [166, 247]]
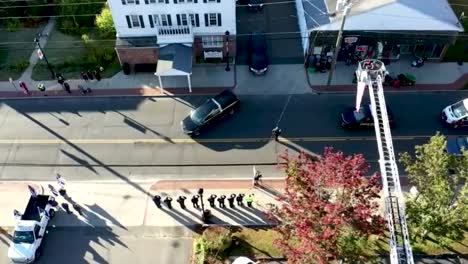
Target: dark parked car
[[350, 118], [225, 103], [454, 145], [255, 5], [258, 58]]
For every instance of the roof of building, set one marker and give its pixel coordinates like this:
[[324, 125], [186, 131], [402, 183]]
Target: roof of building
[[174, 59], [383, 15]]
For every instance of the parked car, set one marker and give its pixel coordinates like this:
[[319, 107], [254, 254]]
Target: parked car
[[214, 109], [454, 145], [455, 115], [350, 118], [258, 57], [255, 5]]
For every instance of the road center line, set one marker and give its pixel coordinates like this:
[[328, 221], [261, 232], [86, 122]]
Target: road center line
[[192, 141]]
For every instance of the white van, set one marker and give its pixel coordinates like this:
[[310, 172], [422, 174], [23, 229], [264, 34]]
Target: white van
[[456, 115]]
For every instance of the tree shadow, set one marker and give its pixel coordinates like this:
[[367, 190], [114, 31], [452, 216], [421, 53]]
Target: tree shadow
[[95, 208], [142, 128], [92, 158], [82, 162]]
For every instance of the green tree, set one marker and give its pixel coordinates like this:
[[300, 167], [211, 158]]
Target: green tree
[[440, 206], [77, 18], [105, 23]]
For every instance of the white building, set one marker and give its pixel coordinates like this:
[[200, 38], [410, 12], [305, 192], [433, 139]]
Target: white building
[[147, 30]]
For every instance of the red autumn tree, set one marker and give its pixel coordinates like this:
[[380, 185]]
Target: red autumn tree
[[330, 211]]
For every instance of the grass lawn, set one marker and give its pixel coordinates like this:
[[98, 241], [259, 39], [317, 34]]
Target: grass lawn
[[67, 54], [255, 242], [457, 50], [16, 48]]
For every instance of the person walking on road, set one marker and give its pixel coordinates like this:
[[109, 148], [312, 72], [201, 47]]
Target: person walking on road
[[276, 132]]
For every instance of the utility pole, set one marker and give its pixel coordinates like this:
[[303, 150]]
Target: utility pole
[[346, 4], [36, 40]]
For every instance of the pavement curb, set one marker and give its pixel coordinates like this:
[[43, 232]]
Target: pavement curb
[[240, 183]]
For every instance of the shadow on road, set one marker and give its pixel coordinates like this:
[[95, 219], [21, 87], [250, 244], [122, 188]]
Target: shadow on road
[[142, 128], [5, 236]]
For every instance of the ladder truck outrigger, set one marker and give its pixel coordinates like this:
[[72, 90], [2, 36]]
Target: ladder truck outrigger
[[370, 74]]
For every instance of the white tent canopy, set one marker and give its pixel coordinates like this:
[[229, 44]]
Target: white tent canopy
[[175, 60]]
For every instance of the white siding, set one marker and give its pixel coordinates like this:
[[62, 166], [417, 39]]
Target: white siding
[[227, 8]]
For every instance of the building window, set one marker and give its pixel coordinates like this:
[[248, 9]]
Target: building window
[[130, 2], [184, 20], [213, 19], [135, 20], [193, 22], [162, 20], [212, 41], [157, 1]]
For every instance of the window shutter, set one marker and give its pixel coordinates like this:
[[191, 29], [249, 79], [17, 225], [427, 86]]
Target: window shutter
[[150, 17], [142, 23], [167, 1], [169, 20], [137, 2], [124, 2], [146, 2], [206, 20], [175, 1], [197, 20], [219, 19], [204, 1], [195, 1], [219, 1], [129, 23], [178, 19]]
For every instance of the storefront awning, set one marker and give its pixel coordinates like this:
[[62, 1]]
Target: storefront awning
[[175, 60], [383, 15]]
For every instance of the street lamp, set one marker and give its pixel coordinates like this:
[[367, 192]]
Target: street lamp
[[204, 214], [227, 51], [36, 40]]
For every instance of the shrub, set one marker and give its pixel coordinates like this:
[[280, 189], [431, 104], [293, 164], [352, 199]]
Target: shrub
[[12, 24], [19, 65]]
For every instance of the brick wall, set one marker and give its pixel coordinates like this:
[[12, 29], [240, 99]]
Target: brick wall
[[137, 55]]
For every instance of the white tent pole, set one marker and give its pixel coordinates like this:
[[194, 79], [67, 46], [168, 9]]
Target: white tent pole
[[189, 83], [160, 83]]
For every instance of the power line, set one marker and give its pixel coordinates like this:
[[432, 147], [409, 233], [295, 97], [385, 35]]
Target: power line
[[81, 15]]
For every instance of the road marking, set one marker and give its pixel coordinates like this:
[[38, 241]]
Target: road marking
[[192, 141]]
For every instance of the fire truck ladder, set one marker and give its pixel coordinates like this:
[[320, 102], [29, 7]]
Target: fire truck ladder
[[371, 73]]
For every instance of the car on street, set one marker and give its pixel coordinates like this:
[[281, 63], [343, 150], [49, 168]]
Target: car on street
[[258, 57], [454, 145], [455, 115], [352, 119], [255, 5], [211, 111]]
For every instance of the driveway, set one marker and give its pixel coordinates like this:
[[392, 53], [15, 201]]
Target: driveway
[[275, 19]]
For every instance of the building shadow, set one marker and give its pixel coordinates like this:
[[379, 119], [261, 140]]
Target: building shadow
[[82, 162]]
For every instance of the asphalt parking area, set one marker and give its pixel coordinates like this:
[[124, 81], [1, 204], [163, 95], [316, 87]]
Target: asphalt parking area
[[283, 48]]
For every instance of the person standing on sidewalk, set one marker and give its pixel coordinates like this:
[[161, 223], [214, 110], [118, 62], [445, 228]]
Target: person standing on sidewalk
[[249, 200], [25, 89], [84, 76], [41, 87]]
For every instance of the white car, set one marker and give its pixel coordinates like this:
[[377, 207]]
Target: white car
[[243, 260], [456, 115]]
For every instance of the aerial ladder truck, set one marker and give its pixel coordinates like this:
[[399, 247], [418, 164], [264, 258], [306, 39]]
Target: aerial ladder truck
[[370, 74]]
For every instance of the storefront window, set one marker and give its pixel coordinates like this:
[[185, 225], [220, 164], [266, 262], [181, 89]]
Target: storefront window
[[437, 51]]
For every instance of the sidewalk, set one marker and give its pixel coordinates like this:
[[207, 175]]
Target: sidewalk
[[128, 206], [445, 76]]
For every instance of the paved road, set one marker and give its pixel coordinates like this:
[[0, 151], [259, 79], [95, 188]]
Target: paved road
[[105, 138], [77, 245]]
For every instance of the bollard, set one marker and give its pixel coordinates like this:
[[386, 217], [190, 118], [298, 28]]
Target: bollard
[[195, 201], [231, 200], [221, 201], [212, 200], [239, 199], [157, 200], [168, 201], [181, 201]]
